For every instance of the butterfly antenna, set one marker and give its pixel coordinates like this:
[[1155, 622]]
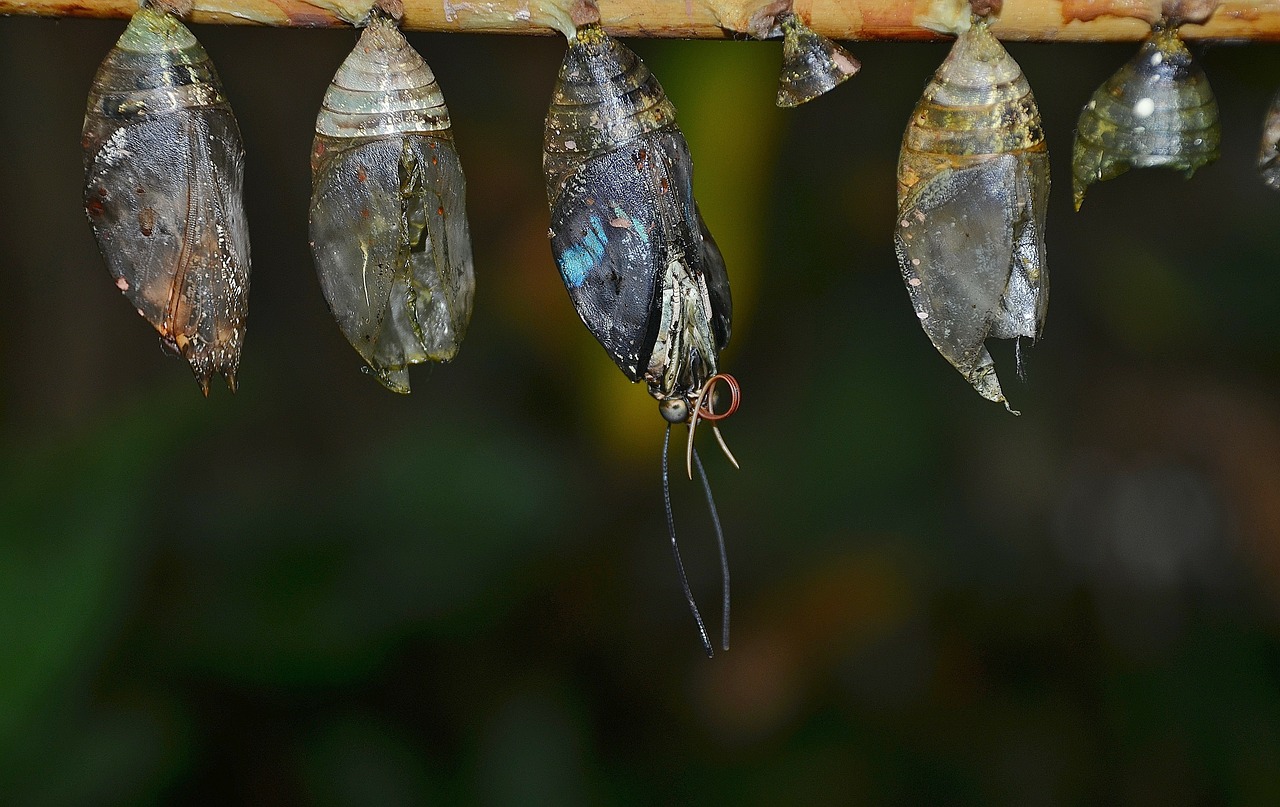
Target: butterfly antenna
[[675, 548], [1018, 360], [724, 555]]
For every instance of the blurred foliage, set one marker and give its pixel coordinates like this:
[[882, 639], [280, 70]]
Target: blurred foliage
[[319, 593]]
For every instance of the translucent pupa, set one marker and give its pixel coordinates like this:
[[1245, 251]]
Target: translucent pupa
[[811, 63], [388, 208], [973, 183], [1269, 154], [635, 256], [1156, 111], [164, 177]]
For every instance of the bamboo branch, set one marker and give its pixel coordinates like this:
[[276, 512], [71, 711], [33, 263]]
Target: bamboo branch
[[1033, 20]]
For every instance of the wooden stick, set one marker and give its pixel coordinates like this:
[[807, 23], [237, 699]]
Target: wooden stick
[[1031, 20]]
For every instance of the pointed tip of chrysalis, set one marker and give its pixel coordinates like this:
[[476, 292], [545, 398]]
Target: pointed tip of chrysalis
[[395, 379], [987, 383], [811, 63]]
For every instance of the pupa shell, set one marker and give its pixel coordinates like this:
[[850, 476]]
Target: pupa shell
[[811, 63], [389, 228], [973, 183], [164, 177], [1156, 111], [1269, 155], [636, 258]]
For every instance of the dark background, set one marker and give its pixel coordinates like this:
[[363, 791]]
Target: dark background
[[318, 592]]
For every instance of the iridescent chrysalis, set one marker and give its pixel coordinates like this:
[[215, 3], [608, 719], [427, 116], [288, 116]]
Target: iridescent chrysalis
[[1156, 111], [635, 256], [811, 63], [164, 173], [388, 209], [1269, 154], [973, 183]]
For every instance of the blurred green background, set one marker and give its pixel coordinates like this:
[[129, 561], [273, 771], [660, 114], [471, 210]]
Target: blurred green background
[[317, 592]]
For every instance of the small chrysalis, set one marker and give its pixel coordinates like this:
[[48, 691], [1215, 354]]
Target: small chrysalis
[[635, 256], [811, 63], [1269, 155], [388, 208], [973, 183], [164, 173], [1156, 111]]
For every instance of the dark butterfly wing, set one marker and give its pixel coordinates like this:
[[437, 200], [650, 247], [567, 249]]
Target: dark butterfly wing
[[610, 239]]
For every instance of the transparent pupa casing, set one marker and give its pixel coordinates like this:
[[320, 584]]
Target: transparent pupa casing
[[973, 183], [164, 177], [389, 228], [1269, 155], [811, 63], [636, 258], [1156, 111]]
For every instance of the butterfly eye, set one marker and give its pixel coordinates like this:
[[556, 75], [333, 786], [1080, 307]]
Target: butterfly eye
[[973, 183], [388, 207], [811, 63], [164, 178], [1156, 111], [674, 410]]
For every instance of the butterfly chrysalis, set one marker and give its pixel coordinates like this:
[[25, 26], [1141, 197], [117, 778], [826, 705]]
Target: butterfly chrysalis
[[164, 176], [973, 183], [388, 207]]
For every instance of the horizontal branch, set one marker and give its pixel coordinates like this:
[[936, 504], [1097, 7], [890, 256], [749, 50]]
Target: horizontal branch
[[1033, 20]]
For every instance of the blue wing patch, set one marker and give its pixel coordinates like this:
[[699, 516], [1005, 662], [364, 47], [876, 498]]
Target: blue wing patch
[[580, 259], [611, 236]]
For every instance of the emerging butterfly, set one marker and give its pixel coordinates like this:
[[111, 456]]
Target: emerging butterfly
[[973, 184], [636, 258], [164, 177], [388, 207]]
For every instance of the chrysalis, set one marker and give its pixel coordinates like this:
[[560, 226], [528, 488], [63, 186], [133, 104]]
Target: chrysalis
[[1157, 110], [388, 209], [811, 63], [635, 256], [164, 172], [1269, 156], [973, 182]]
